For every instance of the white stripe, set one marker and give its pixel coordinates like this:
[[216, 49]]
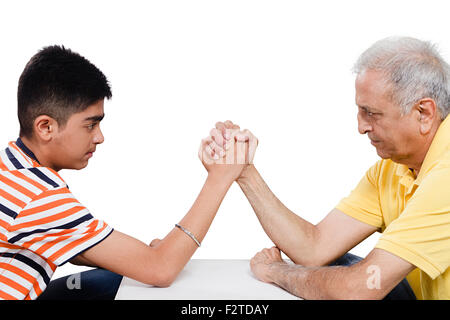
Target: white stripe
[[9, 220], [32, 176], [46, 213], [37, 259], [12, 206], [11, 291], [14, 192], [49, 225], [17, 278], [6, 161], [80, 232], [19, 157], [48, 199], [3, 230], [52, 176], [83, 246], [22, 182], [37, 245]]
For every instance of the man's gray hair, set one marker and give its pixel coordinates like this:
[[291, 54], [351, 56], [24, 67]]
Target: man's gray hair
[[413, 69]]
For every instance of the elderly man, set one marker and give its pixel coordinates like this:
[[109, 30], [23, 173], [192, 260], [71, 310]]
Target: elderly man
[[403, 99]]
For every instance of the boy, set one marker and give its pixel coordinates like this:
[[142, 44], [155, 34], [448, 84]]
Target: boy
[[42, 226]]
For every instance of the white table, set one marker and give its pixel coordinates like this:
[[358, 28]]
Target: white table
[[207, 280]]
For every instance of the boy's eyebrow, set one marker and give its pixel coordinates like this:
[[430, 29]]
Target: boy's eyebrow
[[95, 118]]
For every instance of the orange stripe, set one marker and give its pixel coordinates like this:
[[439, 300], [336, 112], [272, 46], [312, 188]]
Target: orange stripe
[[52, 243], [13, 145], [51, 192], [3, 237], [9, 246], [16, 186], [45, 220], [37, 289], [75, 243], [6, 296], [91, 228], [46, 207], [12, 199], [4, 224], [37, 239], [17, 271], [3, 166], [20, 175], [55, 173], [14, 285]]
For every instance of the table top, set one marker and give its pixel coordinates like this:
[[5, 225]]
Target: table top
[[205, 279]]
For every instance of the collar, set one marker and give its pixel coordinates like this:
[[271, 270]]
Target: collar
[[439, 145], [26, 150]]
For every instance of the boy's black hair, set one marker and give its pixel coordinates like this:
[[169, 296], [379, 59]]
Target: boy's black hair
[[57, 82]]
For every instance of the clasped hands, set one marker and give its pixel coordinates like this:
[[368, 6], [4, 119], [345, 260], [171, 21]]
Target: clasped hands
[[228, 151]]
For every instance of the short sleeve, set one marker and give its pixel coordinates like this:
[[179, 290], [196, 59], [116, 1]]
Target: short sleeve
[[57, 227], [421, 234], [363, 203]]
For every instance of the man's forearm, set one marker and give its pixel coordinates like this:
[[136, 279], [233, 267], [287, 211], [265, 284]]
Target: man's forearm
[[318, 283], [292, 235]]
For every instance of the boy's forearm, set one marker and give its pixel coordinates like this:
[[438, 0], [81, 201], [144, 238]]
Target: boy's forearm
[[292, 235], [177, 247]]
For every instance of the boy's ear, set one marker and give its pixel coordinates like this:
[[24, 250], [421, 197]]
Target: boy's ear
[[45, 127]]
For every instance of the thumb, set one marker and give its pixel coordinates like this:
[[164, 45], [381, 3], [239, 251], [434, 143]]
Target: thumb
[[155, 242]]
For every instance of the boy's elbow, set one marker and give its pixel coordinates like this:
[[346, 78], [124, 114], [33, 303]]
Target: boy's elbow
[[160, 272], [163, 280]]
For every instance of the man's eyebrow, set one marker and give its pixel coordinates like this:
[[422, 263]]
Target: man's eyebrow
[[369, 109], [95, 118]]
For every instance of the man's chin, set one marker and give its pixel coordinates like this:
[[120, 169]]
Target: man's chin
[[383, 155]]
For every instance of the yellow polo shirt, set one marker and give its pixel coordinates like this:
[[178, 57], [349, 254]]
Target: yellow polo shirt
[[413, 214]]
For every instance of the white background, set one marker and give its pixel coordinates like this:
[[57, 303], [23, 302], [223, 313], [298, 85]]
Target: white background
[[279, 68]]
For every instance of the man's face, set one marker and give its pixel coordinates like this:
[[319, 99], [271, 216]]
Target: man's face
[[394, 136], [75, 143]]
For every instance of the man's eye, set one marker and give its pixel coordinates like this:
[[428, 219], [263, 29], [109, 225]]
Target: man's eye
[[91, 126]]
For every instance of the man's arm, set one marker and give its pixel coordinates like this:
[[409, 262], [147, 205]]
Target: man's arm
[[301, 241], [372, 278]]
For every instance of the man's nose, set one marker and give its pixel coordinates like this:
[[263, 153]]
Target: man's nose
[[363, 126]]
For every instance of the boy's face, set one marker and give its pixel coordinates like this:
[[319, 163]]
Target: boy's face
[[74, 144]]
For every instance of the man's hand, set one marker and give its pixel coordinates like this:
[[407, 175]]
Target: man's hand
[[227, 151], [260, 264]]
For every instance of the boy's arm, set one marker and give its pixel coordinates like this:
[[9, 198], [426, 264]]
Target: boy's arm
[[160, 264]]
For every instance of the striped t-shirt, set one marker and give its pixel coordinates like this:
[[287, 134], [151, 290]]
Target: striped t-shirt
[[42, 225]]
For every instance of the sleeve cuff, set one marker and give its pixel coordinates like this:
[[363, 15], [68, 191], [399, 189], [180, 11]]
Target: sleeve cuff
[[409, 255], [368, 218]]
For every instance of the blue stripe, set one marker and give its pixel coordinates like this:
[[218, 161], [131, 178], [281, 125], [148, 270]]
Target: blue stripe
[[13, 159], [29, 262], [24, 148], [69, 225], [8, 211], [38, 173]]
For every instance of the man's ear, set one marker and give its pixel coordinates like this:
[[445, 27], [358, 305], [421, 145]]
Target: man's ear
[[45, 127], [428, 114]]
